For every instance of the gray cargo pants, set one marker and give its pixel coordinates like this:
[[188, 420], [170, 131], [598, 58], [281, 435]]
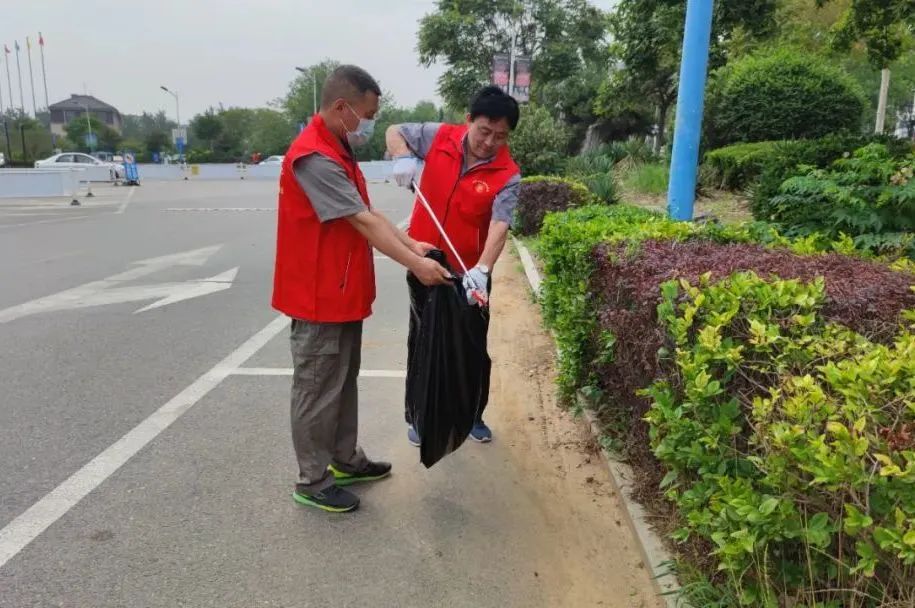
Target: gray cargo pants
[[325, 401]]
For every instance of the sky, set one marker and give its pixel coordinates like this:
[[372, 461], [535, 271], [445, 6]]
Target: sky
[[235, 52]]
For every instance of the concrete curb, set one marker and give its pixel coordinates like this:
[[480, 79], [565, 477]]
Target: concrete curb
[[654, 555]]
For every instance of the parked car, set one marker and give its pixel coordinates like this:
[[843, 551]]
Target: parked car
[[272, 160], [2, 160], [78, 159]]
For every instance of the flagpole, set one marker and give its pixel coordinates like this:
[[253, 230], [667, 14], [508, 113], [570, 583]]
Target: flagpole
[[2, 110], [44, 73], [9, 81], [28, 46], [19, 72]]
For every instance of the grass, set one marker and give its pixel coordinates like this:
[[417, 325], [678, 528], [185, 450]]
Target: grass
[[648, 178]]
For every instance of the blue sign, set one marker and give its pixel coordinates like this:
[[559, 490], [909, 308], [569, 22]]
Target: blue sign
[[131, 173], [91, 140], [179, 143]]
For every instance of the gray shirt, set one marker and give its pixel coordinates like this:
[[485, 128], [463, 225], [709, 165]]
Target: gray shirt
[[328, 187], [419, 136]]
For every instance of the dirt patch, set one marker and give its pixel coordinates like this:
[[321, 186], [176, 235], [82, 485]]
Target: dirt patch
[[595, 560], [728, 207]]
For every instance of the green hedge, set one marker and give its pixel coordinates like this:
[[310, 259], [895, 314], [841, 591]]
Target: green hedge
[[785, 440], [742, 166]]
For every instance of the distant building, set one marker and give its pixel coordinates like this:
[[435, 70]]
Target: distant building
[[63, 112]]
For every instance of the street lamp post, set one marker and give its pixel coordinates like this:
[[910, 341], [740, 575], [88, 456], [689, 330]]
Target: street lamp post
[[177, 107], [179, 140], [314, 89]]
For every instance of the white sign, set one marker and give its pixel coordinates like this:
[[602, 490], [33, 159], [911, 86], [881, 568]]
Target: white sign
[[179, 134], [113, 290]]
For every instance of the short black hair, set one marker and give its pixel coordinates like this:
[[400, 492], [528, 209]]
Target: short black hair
[[348, 82], [494, 103]]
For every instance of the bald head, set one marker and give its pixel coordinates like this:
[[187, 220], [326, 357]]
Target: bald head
[[349, 83]]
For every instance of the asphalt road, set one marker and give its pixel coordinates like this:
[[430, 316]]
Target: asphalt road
[[145, 458]]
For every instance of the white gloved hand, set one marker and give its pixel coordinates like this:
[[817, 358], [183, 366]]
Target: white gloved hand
[[405, 169], [476, 280]]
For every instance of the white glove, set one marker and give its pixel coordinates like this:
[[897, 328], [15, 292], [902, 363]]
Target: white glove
[[476, 280], [405, 169]]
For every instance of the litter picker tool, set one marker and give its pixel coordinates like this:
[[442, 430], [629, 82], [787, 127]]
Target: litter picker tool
[[478, 292]]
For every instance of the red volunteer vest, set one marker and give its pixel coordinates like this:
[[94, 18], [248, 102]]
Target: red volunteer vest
[[324, 273], [462, 204]]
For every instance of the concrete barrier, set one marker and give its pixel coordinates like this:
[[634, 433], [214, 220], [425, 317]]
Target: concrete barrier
[[37, 183]]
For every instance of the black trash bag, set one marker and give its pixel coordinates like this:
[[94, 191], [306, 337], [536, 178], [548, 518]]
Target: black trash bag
[[446, 380]]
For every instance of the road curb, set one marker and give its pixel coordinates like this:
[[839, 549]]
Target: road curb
[[655, 556]]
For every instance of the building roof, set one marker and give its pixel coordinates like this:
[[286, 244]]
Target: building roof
[[80, 102]]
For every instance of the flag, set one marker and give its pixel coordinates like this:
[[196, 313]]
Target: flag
[[7, 49], [28, 43], [16, 44], [40, 39]]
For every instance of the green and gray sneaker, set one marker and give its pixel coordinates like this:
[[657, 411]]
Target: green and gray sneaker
[[373, 471], [333, 499]]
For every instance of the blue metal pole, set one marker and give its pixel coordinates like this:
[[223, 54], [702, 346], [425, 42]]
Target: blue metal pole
[[690, 100]]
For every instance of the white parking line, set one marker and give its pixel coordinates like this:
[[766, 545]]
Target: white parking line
[[16, 535], [126, 202], [287, 371]]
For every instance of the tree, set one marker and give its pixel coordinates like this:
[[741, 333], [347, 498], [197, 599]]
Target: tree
[[156, 141], [883, 26], [271, 132], [299, 100], [207, 128], [560, 35], [78, 129], [539, 143], [26, 134], [138, 127], [648, 36]]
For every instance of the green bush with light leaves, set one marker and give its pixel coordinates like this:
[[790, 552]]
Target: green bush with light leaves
[[790, 444]]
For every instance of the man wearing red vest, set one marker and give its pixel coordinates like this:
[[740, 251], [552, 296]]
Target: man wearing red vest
[[472, 184], [325, 280]]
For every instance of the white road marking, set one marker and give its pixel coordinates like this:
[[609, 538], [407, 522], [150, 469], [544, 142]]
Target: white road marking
[[126, 202], [287, 371], [65, 219], [16, 535], [111, 290]]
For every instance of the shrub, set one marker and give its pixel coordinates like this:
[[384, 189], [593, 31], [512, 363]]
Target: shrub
[[789, 443], [761, 167], [869, 196], [783, 94], [595, 170], [541, 195], [539, 143]]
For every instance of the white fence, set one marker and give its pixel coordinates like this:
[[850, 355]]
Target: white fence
[[373, 170], [36, 183]]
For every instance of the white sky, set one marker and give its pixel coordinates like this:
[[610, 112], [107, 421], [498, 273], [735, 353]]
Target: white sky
[[238, 52]]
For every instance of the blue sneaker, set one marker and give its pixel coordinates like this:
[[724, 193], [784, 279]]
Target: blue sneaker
[[480, 432], [413, 436]]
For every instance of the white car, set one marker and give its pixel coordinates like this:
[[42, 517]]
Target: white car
[[78, 159], [272, 160]]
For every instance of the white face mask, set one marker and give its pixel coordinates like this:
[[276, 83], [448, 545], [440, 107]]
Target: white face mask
[[363, 132]]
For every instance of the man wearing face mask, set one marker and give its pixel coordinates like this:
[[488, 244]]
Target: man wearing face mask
[[472, 184], [325, 281]]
